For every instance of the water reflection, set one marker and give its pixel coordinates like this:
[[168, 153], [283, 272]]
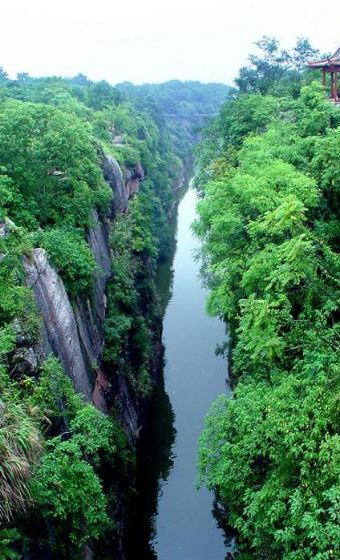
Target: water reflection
[[221, 516], [171, 520], [154, 454], [154, 463]]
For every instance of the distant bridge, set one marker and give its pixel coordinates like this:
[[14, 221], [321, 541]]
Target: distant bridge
[[174, 115]]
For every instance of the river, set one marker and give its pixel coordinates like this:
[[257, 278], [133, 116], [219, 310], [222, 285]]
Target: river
[[173, 520]]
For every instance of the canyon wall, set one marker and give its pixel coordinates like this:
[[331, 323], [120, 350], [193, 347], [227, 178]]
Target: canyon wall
[[73, 330]]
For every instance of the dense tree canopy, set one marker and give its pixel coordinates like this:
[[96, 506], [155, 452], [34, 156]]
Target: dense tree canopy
[[183, 107], [269, 221], [276, 70]]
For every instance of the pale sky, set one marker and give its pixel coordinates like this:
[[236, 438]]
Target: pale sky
[[154, 40]]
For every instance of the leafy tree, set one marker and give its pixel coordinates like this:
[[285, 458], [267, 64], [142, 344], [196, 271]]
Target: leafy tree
[[67, 485], [72, 258], [275, 70], [80, 80], [55, 173], [69, 492], [268, 219], [101, 95], [3, 75], [302, 53], [23, 77], [8, 537]]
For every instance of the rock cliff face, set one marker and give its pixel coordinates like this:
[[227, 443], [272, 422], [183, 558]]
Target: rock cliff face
[[59, 318], [123, 185], [132, 180], [114, 177], [73, 331]]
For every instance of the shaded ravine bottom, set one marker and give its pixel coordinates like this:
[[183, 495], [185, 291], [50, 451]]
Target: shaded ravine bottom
[[153, 464], [169, 518]]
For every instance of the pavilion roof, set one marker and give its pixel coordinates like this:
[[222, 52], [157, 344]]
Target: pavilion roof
[[328, 63]]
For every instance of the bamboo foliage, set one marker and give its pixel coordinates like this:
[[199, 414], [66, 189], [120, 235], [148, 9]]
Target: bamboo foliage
[[19, 451]]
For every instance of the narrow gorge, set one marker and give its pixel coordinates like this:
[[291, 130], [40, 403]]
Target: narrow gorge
[[89, 182], [169, 281], [169, 315], [170, 517]]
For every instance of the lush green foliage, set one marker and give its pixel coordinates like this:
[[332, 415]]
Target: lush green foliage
[[182, 107], [276, 70], [20, 446], [132, 308], [72, 257], [269, 221], [65, 465], [7, 538], [67, 487], [52, 164]]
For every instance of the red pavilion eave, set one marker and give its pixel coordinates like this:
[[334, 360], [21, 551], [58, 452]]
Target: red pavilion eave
[[329, 66]]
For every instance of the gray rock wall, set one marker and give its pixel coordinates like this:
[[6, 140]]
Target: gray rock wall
[[59, 318], [74, 331], [113, 175]]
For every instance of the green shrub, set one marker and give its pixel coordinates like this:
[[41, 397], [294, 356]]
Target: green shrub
[[72, 257], [68, 491]]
